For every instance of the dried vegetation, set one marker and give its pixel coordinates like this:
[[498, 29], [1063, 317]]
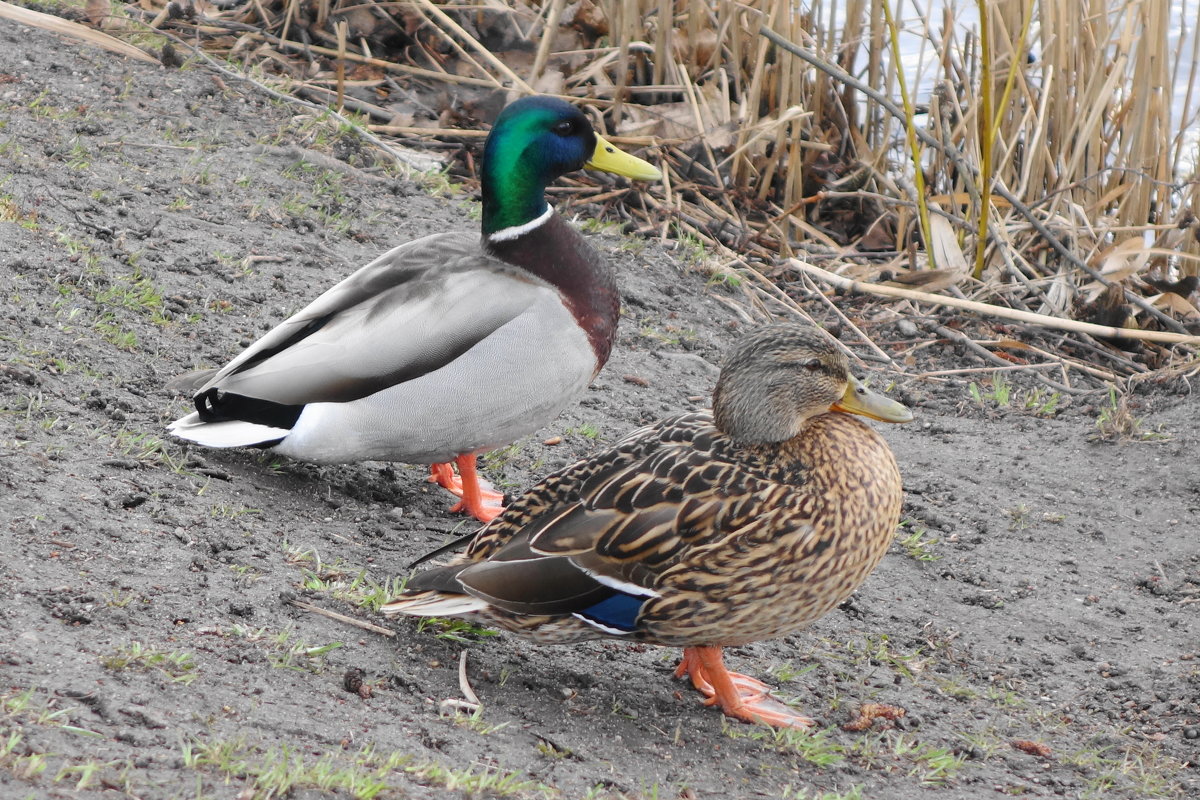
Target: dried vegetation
[[1038, 169]]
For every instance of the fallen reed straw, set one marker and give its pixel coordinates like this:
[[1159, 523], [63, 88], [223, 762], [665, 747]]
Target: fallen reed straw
[[1106, 331]]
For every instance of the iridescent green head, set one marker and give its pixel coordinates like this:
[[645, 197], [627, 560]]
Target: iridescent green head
[[534, 141]]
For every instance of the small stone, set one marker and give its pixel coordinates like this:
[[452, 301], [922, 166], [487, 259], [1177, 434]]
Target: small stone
[[352, 680], [129, 737]]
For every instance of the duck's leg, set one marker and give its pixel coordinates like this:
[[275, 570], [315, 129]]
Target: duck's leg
[[443, 475], [739, 696], [483, 504]]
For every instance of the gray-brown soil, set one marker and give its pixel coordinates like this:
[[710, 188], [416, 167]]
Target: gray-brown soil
[[1041, 634]]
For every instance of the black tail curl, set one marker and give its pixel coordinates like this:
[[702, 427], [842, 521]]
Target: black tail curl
[[214, 405]]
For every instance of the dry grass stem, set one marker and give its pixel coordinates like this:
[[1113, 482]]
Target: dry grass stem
[[357, 623], [464, 685]]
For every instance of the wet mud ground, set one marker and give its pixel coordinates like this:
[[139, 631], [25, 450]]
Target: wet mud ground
[[1036, 619]]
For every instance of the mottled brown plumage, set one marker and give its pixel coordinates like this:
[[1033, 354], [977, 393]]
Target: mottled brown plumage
[[704, 530]]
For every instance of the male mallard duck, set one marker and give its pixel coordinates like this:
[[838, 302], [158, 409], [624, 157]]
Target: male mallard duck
[[704, 530], [446, 346]]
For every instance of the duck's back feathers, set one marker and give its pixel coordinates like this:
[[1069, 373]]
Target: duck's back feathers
[[190, 382], [391, 321]]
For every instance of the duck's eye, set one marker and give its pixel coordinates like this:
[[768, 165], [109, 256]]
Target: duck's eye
[[813, 364], [564, 128]]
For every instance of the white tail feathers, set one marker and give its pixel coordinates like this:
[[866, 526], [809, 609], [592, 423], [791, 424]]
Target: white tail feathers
[[434, 604], [232, 433]]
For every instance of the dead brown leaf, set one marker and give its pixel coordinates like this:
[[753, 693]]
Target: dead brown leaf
[[929, 280], [1169, 301], [869, 712], [590, 20], [1032, 748], [944, 244], [1124, 259]]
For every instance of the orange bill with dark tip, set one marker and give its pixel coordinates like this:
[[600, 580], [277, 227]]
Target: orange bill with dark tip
[[858, 399]]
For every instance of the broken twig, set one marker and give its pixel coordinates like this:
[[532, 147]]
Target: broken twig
[[358, 623]]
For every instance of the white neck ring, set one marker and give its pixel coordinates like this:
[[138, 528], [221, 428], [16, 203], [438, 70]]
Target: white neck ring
[[508, 234]]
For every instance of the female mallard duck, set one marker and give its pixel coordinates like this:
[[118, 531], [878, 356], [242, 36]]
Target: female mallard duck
[[704, 530], [446, 346]]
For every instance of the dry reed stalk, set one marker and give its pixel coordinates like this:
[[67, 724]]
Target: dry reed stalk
[[1106, 331], [549, 29], [1034, 221], [910, 130], [340, 64], [1108, 376], [986, 370], [837, 312], [744, 172], [986, 355]]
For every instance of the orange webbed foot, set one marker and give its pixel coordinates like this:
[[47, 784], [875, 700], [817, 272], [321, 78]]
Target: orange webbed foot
[[477, 499], [738, 696]]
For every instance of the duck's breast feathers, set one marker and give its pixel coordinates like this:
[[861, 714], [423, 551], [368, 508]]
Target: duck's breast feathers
[[848, 460], [557, 253], [406, 314]]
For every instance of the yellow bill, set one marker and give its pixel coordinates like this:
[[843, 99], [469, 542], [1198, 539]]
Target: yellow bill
[[608, 158], [858, 399]]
